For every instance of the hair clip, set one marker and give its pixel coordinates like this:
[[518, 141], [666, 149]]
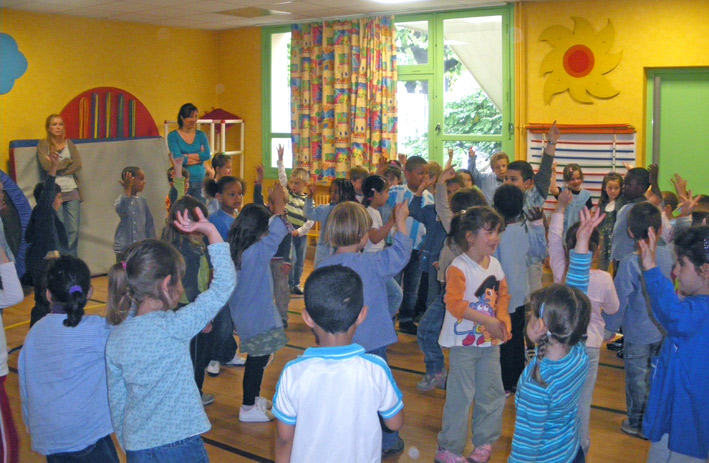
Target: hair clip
[[76, 289], [123, 263], [541, 311]]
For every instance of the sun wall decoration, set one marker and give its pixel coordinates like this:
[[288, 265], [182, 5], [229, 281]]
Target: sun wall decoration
[[579, 61]]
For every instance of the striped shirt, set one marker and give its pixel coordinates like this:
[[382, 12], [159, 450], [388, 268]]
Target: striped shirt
[[397, 195]]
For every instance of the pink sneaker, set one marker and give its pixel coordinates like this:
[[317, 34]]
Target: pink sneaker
[[481, 454], [446, 456]]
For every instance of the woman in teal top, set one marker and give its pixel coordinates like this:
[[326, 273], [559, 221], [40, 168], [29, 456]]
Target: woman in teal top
[[192, 144]]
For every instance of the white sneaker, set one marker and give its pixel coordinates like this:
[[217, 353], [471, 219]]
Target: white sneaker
[[213, 368], [236, 361], [256, 414], [264, 403], [207, 399]]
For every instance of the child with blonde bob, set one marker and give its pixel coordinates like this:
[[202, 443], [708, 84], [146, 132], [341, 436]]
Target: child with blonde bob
[[348, 232]]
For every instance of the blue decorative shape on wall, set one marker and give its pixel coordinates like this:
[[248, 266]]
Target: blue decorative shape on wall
[[13, 63]]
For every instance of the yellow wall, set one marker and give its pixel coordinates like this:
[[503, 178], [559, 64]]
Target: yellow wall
[[163, 67], [650, 33]]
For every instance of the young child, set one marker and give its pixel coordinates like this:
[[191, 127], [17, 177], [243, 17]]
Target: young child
[[229, 192], [535, 188], [357, 175], [254, 239], [337, 377], [546, 425], [179, 183], [522, 239], [295, 209], [610, 191], [635, 184], [156, 408], [341, 190], [489, 182], [677, 416], [221, 164], [602, 294], [642, 337], [348, 227], [136, 220], [573, 177], [45, 235], [393, 175], [476, 323], [416, 171], [63, 372]]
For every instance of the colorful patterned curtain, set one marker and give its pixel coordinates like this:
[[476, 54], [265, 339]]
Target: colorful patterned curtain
[[343, 95]]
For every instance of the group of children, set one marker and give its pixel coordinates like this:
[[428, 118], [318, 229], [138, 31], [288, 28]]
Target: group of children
[[218, 268]]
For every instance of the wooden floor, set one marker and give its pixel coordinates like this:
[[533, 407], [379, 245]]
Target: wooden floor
[[232, 441]]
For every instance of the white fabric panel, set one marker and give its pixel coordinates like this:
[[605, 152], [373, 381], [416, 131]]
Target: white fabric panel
[[102, 163]]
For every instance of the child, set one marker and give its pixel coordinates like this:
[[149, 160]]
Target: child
[[335, 379], [393, 175], [341, 190], [179, 182], [610, 191], [295, 209], [636, 183], [195, 280], [535, 188], [348, 227], [136, 220], [155, 404], [45, 235], [476, 322], [10, 294], [221, 164], [429, 328], [677, 416], [229, 192], [63, 372], [642, 337], [573, 177], [521, 240], [602, 294], [489, 182], [357, 175], [416, 171], [254, 239]]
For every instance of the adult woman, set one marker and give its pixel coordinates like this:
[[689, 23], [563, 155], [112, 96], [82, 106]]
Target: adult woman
[[192, 144], [67, 175]]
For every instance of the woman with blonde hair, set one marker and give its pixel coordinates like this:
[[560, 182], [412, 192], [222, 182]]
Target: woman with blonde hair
[[67, 175]]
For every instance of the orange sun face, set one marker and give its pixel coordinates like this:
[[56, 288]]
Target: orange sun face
[[579, 61]]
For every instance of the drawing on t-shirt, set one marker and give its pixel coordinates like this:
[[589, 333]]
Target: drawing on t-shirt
[[487, 297]]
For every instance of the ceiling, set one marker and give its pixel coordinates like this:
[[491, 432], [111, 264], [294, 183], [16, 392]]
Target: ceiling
[[232, 14]]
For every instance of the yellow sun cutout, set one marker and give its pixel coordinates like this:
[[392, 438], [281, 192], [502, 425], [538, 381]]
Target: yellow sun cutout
[[579, 61]]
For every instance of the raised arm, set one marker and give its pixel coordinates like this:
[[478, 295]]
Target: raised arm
[[543, 176], [441, 199], [557, 254], [282, 177], [75, 164]]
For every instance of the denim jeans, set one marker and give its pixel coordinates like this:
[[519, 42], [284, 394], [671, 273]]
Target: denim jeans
[[71, 214], [281, 293], [637, 378], [223, 346], [298, 258], [594, 354], [195, 190], [410, 278], [190, 450], [389, 438], [394, 296], [429, 330], [102, 450]]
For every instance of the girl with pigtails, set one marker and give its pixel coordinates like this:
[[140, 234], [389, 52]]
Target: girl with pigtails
[[63, 372]]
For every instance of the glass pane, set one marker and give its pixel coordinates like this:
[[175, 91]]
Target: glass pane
[[483, 149], [412, 43], [412, 98], [280, 82], [473, 75], [287, 152]]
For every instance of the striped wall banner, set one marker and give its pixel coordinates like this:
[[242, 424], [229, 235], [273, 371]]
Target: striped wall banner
[[597, 149]]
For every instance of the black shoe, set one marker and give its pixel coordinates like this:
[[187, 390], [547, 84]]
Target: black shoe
[[615, 345], [408, 327], [296, 290], [620, 354], [397, 449]]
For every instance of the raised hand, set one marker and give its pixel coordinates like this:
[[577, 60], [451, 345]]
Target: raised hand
[[177, 165], [259, 174], [680, 185], [534, 214], [54, 163], [654, 172], [401, 212], [449, 162], [185, 224], [589, 221], [427, 182], [554, 133], [688, 202], [280, 150], [648, 249], [127, 183], [565, 198], [402, 159], [277, 197], [447, 174]]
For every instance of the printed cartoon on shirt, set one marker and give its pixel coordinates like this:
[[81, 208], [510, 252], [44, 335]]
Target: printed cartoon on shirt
[[487, 298]]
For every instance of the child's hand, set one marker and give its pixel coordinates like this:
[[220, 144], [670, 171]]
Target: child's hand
[[534, 214], [628, 165], [496, 328], [589, 221], [277, 197], [259, 174], [185, 224], [565, 198], [449, 162], [402, 159], [446, 175], [295, 234], [680, 185], [54, 163], [648, 249], [654, 172], [127, 182], [177, 165], [427, 182], [688, 203], [279, 150], [401, 212], [472, 155], [554, 133]]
